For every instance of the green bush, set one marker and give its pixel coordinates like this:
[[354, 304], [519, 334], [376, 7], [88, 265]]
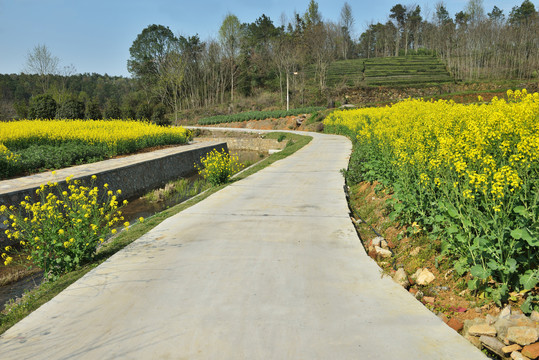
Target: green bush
[[42, 107], [217, 167], [93, 112], [159, 115], [71, 109], [144, 112], [63, 229], [112, 110]]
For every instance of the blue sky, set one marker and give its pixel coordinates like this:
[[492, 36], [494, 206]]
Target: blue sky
[[95, 35]]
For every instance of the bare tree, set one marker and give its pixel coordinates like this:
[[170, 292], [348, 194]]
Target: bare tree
[[40, 61], [230, 36], [346, 24]]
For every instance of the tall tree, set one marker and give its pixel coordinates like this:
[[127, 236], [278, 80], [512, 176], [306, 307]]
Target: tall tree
[[475, 11], [40, 61], [312, 16], [346, 24], [148, 54], [398, 13], [230, 35], [523, 13]]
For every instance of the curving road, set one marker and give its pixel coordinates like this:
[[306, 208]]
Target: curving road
[[268, 268]]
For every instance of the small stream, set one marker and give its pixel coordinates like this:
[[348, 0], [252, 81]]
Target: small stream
[[136, 208]]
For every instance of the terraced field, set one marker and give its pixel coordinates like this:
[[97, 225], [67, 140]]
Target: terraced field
[[405, 71], [401, 71]]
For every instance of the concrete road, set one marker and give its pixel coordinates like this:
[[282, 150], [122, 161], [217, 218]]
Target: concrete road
[[268, 268]]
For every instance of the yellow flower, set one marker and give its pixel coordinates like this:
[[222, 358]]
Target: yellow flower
[[141, 219], [113, 231]]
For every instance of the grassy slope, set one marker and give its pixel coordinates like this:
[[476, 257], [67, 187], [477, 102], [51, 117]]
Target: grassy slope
[[389, 71]]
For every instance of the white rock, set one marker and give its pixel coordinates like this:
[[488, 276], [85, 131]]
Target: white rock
[[401, 278], [383, 252], [377, 241], [515, 355], [415, 251], [425, 277], [505, 313]]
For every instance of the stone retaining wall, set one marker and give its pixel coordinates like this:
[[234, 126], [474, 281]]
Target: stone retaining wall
[[254, 144], [135, 175]]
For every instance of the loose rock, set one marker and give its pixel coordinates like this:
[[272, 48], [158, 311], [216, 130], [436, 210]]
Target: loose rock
[[382, 252], [478, 330], [469, 323], [425, 277], [376, 241], [415, 251], [492, 344], [515, 355], [455, 324], [505, 313], [401, 278], [531, 351], [474, 340], [522, 335], [510, 348], [428, 300]]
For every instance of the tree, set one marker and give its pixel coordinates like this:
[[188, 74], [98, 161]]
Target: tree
[[475, 11], [171, 80], [71, 109], [112, 110], [521, 14], [42, 107], [40, 61], [412, 33], [312, 16], [148, 53], [442, 15], [496, 15], [346, 23], [230, 36], [398, 13], [93, 112]]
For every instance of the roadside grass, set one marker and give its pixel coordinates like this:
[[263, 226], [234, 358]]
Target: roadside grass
[[256, 115], [16, 310]]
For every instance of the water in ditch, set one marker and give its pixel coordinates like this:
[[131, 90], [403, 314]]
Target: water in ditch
[[145, 207]]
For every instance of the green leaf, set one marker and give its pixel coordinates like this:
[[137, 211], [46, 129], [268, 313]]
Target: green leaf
[[439, 218], [531, 304], [479, 272], [521, 210], [512, 265], [517, 233], [500, 294], [452, 229], [492, 265], [473, 284], [525, 234], [529, 279], [452, 211], [461, 266]]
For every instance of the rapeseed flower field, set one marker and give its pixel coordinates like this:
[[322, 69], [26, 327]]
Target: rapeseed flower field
[[30, 145], [119, 136], [468, 173]]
